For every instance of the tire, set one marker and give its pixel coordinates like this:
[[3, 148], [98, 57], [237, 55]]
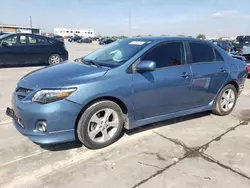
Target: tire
[[224, 99], [91, 127], [54, 59]]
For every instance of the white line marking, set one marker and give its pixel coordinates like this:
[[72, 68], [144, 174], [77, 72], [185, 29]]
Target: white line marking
[[5, 122]]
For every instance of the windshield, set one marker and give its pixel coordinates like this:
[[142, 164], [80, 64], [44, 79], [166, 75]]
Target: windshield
[[4, 35], [116, 53]]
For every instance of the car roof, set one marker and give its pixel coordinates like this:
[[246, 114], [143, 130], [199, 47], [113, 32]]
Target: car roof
[[163, 38]]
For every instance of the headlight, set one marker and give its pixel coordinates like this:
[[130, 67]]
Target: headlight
[[47, 96]]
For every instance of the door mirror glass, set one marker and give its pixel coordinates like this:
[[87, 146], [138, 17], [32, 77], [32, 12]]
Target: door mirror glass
[[145, 66]]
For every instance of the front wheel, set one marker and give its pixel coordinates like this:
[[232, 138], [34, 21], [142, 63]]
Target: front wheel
[[54, 59], [226, 100], [100, 125]]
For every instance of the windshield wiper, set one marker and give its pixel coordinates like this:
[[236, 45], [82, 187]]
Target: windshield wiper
[[90, 62]]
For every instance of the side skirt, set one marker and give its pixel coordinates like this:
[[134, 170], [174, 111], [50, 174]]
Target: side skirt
[[137, 123]]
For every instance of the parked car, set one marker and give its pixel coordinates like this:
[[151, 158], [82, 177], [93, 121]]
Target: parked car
[[85, 40], [227, 46], [58, 37], [3, 33], [126, 84], [21, 49], [106, 41], [241, 41], [74, 38]]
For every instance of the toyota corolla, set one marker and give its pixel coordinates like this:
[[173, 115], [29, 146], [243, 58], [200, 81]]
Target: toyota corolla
[[124, 85]]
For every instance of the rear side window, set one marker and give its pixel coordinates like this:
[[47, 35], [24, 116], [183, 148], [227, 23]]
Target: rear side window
[[32, 40], [201, 52], [41, 40], [218, 55], [51, 41], [168, 54]]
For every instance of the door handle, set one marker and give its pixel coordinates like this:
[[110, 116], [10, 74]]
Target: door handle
[[222, 69], [185, 75]]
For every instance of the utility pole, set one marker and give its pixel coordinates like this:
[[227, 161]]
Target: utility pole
[[130, 34], [31, 21]]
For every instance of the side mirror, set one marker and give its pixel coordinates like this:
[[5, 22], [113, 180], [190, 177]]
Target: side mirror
[[145, 66], [5, 44]]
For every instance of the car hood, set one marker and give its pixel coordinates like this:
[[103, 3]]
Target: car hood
[[61, 75]]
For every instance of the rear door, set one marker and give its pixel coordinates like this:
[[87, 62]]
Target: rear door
[[37, 49], [210, 72]]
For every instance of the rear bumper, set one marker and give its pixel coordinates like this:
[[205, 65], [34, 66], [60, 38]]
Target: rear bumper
[[65, 56]]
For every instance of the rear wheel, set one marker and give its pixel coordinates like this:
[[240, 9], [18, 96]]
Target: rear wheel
[[54, 59], [226, 100], [100, 125]]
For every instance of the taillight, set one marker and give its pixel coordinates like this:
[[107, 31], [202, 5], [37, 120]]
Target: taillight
[[248, 68]]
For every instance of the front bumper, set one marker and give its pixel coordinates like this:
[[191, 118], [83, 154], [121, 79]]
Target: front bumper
[[60, 117]]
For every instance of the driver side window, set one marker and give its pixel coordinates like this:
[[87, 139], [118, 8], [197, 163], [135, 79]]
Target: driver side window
[[166, 55], [11, 41]]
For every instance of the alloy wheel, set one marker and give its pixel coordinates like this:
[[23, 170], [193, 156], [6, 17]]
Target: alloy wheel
[[103, 125], [227, 100], [54, 59]]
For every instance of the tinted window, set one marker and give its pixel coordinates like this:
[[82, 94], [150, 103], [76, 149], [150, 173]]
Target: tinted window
[[41, 40], [201, 52], [169, 54], [218, 56]]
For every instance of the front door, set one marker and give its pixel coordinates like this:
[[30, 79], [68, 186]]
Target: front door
[[210, 73], [12, 53], [167, 89]]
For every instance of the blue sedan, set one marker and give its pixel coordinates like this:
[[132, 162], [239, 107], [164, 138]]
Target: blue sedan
[[126, 84]]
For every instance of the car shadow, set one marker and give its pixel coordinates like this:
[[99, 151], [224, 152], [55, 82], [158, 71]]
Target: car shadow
[[62, 146], [78, 144]]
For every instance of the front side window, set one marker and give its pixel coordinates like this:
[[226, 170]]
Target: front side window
[[11, 41], [201, 52], [165, 55], [218, 56]]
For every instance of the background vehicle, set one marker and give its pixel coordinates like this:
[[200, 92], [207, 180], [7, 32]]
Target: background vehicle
[[21, 49], [227, 46], [241, 41], [85, 98], [106, 41], [84, 40], [3, 33], [74, 38], [58, 37]]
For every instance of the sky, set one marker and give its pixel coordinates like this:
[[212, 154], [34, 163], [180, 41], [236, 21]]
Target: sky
[[214, 18]]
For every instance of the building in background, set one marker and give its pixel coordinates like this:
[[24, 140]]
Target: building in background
[[65, 32], [18, 29]]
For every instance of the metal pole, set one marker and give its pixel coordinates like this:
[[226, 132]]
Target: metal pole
[[30, 21], [130, 34]]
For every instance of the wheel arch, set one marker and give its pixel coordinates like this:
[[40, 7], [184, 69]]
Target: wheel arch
[[116, 100], [235, 84]]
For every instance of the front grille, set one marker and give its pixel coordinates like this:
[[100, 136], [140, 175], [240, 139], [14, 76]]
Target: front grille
[[20, 97], [23, 90]]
